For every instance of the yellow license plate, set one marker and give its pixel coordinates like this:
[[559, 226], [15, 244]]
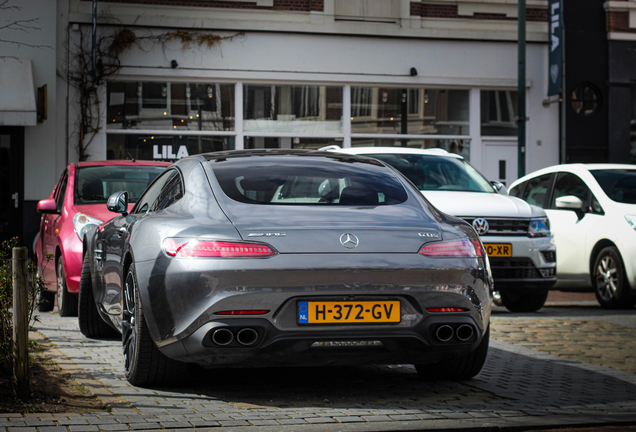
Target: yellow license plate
[[498, 249], [349, 312]]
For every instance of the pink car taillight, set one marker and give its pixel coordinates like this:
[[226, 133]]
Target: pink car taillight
[[196, 248]]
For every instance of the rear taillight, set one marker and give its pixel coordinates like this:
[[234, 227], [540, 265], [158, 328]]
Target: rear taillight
[[195, 248], [446, 309], [243, 312], [455, 248]]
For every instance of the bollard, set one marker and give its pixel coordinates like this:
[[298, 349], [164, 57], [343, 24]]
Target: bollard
[[21, 385]]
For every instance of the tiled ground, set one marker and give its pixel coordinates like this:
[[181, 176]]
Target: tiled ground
[[541, 370]]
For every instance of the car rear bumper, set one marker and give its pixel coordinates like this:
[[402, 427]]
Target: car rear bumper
[[267, 345], [181, 298]]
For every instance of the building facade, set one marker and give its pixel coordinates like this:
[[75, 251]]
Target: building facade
[[174, 78], [600, 81]]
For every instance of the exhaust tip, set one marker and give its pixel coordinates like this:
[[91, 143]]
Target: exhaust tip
[[247, 336], [222, 336], [444, 333], [464, 332]]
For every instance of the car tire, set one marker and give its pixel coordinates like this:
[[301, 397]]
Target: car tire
[[523, 301], [610, 282], [459, 368], [144, 364], [91, 323], [66, 301]]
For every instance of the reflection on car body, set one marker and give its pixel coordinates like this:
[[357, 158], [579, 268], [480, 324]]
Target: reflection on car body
[[269, 258]]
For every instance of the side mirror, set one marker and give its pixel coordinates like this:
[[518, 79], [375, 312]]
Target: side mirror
[[118, 203], [499, 187], [569, 202], [47, 206]]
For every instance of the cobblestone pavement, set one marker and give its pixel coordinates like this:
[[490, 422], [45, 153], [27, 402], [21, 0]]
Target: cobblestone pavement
[[561, 366]]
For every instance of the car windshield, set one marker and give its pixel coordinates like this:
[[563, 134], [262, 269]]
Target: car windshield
[[94, 184], [437, 172], [300, 180], [618, 184]]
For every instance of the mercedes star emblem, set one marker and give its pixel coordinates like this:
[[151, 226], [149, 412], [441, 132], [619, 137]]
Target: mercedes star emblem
[[481, 226], [349, 241]]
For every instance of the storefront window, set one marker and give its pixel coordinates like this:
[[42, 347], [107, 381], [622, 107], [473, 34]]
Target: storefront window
[[170, 106], [585, 99], [290, 143], [425, 111], [499, 112], [458, 146], [303, 109], [163, 147]]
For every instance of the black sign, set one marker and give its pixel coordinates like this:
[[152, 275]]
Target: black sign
[[555, 56]]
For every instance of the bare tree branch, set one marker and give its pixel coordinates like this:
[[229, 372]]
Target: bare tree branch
[[17, 25]]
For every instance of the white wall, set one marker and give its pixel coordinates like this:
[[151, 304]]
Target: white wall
[[280, 57], [41, 141]]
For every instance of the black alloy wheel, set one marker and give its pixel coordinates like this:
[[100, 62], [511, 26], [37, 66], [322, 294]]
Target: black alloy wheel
[[144, 364], [66, 301], [610, 282]]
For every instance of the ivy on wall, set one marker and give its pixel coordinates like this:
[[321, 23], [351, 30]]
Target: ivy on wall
[[89, 78]]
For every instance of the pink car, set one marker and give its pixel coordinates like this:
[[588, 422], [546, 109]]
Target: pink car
[[78, 202]]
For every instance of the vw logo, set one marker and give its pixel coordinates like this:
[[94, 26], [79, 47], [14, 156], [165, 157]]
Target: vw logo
[[481, 226], [349, 241]]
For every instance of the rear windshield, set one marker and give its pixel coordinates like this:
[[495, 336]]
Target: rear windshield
[[618, 185], [93, 185], [302, 180], [437, 172]]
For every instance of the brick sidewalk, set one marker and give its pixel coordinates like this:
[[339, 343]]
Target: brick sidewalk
[[591, 341], [539, 372]]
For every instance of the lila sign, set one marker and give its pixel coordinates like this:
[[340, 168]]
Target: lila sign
[[555, 54], [164, 152]]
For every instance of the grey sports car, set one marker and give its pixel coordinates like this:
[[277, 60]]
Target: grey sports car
[[286, 257]]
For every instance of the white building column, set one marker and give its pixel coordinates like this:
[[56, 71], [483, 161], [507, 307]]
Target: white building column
[[238, 115], [474, 113], [346, 115]]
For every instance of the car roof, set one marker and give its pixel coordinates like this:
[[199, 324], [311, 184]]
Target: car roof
[[594, 166], [572, 167], [286, 152], [394, 150], [122, 162]]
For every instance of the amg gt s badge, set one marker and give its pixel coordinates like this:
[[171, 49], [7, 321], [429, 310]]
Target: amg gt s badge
[[428, 235]]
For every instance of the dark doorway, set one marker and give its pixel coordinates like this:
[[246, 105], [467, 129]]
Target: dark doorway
[[11, 181]]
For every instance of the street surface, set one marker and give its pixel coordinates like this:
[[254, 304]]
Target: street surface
[[570, 364]]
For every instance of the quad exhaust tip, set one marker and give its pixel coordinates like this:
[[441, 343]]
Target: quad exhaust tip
[[247, 336], [464, 332], [222, 336], [444, 333]]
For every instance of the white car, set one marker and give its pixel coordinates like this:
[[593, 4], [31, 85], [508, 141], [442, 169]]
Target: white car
[[592, 211], [516, 235]]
